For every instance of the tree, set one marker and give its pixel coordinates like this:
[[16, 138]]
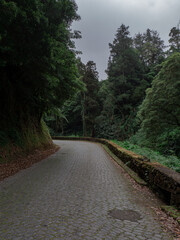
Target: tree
[[125, 77], [90, 103], [82, 109], [72, 109], [105, 126], [37, 61], [174, 40], [160, 111], [150, 47]]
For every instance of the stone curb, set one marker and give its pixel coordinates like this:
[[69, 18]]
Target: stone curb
[[130, 172]]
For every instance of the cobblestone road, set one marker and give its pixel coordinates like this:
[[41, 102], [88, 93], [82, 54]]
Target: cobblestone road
[[68, 196]]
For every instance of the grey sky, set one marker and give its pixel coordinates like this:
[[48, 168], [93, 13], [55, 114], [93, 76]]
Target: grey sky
[[101, 18]]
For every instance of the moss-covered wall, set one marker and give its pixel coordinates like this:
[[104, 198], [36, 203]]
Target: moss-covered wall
[[162, 179]]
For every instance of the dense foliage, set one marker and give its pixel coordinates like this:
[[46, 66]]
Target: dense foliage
[[90, 108], [125, 82], [170, 161], [160, 111], [140, 98], [80, 111], [37, 61]]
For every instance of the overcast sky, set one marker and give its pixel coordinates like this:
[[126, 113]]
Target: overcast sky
[[100, 20]]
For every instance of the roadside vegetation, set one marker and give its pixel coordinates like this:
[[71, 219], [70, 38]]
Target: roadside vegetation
[[138, 103], [154, 156], [38, 70]]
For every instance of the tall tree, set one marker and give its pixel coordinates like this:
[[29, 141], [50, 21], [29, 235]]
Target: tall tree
[[125, 76], [90, 103]]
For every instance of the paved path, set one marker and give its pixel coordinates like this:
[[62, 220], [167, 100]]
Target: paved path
[[69, 195]]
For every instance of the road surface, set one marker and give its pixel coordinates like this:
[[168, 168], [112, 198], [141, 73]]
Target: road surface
[[77, 193]]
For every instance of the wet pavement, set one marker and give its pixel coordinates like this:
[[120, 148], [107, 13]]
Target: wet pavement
[[77, 193]]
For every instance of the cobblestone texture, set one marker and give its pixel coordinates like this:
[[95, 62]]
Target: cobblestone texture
[[68, 196]]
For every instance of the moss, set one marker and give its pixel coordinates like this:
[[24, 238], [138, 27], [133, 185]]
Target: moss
[[125, 167], [34, 137], [31, 137], [172, 211]]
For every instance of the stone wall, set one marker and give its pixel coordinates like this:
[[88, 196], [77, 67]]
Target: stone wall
[[162, 179]]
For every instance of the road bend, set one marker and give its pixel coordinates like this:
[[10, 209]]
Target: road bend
[[77, 193]]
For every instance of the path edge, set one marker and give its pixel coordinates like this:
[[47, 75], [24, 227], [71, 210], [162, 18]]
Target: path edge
[[162, 179]]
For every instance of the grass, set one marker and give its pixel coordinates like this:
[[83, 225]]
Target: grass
[[171, 161]]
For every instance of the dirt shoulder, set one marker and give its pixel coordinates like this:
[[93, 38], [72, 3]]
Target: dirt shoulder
[[23, 162]]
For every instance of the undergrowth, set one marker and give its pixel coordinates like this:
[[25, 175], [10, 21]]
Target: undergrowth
[[36, 138], [170, 161], [21, 142]]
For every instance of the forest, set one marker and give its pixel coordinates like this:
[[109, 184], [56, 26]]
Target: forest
[[137, 106], [44, 83]]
